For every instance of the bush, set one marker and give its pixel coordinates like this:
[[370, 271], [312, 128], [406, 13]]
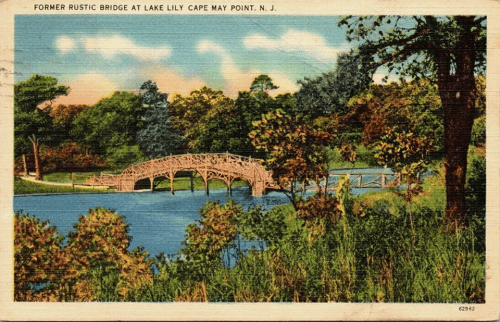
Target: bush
[[70, 157], [479, 131]]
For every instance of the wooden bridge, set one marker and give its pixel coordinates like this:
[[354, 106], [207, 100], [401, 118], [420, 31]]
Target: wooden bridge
[[225, 167], [360, 179], [375, 179]]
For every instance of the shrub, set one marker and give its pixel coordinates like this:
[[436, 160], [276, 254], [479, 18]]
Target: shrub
[[70, 157], [38, 258]]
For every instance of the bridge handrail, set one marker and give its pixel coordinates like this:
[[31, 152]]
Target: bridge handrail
[[196, 154], [165, 158]]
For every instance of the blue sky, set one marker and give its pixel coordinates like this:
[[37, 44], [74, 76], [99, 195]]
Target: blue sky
[[98, 54]]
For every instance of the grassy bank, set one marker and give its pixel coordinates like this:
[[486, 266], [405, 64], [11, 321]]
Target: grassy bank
[[180, 183], [79, 177], [23, 187], [183, 183]]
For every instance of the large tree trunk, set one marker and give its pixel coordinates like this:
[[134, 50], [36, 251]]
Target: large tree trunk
[[38, 167], [25, 166], [458, 94]]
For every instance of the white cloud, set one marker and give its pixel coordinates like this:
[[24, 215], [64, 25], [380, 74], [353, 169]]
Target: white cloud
[[294, 41], [238, 80], [87, 89], [170, 82], [65, 44], [110, 47]]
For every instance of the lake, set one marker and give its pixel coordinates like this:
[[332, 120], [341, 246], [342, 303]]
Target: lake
[[156, 220]]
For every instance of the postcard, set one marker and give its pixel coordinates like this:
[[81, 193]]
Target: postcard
[[241, 160]]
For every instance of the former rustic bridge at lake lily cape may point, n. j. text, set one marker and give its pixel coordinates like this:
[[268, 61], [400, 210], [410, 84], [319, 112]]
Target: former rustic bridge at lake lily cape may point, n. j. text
[[279, 160]]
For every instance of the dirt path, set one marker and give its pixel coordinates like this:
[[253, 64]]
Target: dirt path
[[60, 184]]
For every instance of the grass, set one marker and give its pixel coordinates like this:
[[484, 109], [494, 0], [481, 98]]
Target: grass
[[23, 187], [65, 177], [183, 183], [180, 183]]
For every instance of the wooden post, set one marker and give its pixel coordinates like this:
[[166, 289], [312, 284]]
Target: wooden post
[[382, 180], [171, 184], [72, 181], [206, 188], [152, 180]]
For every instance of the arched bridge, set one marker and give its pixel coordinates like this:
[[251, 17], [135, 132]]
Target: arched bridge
[[225, 167]]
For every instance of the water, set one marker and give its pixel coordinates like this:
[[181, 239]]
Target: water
[[156, 220]]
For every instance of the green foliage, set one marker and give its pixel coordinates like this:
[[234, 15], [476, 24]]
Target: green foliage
[[37, 89], [212, 122], [269, 227], [26, 124], [365, 158], [408, 155], [208, 121], [262, 83], [408, 106], [449, 50], [124, 155], [295, 150], [408, 44], [37, 256], [157, 138], [206, 240], [363, 256], [330, 92], [405, 153], [110, 126], [348, 153], [30, 121], [479, 131], [476, 196], [62, 119], [23, 187]]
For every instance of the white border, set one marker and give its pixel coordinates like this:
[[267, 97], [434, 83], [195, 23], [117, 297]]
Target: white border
[[10, 310]]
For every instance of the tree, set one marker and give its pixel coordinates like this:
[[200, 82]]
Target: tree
[[407, 106], [97, 250], [295, 150], [262, 83], [62, 119], [157, 138], [206, 240], [407, 154], [109, 128], [449, 50], [210, 122], [38, 256], [330, 92], [31, 123]]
